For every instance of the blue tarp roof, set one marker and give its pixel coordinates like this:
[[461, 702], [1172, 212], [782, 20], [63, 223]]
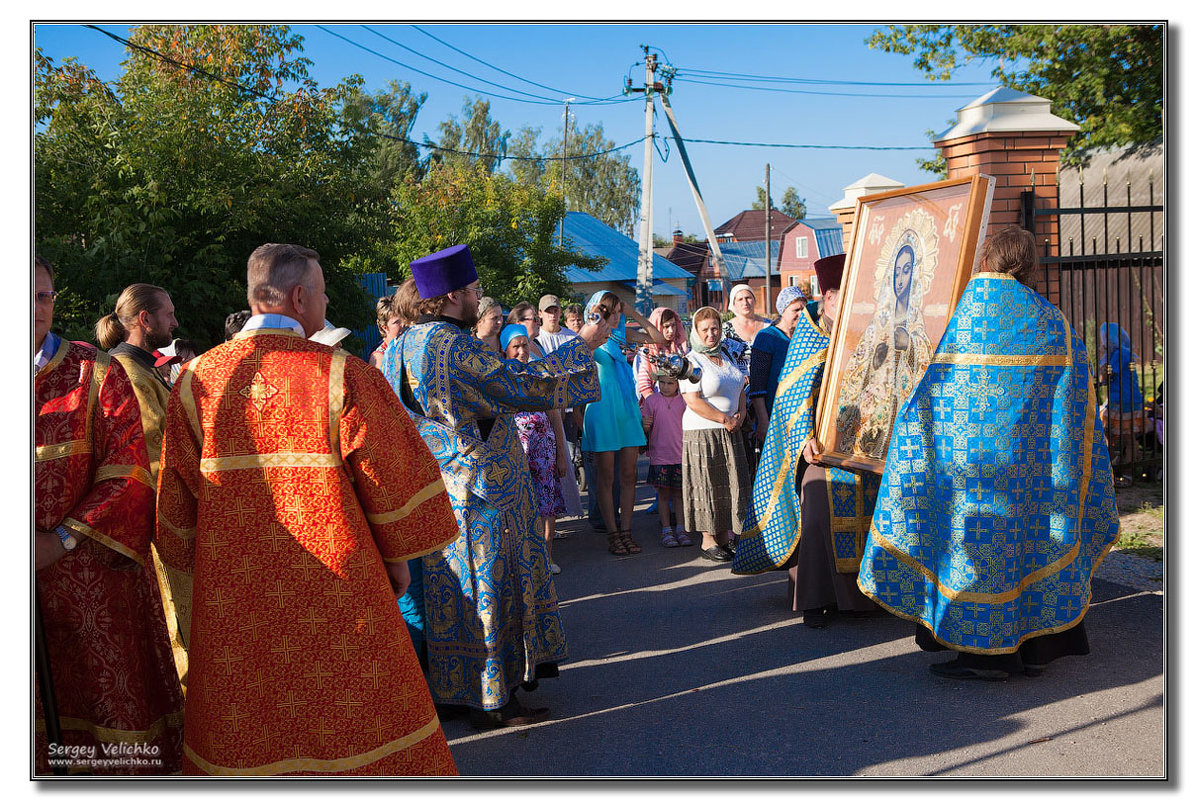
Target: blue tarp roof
[[747, 259], [829, 235], [595, 238]]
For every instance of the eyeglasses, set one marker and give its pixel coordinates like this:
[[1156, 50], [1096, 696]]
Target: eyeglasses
[[45, 297], [477, 290]]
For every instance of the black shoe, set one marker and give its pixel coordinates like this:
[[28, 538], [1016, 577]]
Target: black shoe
[[814, 618], [954, 670], [716, 553], [1033, 671], [729, 547], [452, 711], [512, 715]]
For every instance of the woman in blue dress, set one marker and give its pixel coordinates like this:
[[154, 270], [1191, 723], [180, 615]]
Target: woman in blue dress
[[611, 426]]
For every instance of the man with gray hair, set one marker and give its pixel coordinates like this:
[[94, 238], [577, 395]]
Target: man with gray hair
[[293, 490]]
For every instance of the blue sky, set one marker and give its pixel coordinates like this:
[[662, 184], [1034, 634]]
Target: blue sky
[[579, 60]]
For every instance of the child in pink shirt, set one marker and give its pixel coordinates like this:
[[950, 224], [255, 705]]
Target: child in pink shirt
[[661, 414]]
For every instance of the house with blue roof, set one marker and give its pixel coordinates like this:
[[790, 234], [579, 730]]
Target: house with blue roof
[[671, 284]]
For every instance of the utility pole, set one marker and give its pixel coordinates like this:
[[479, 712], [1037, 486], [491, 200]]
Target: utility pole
[[768, 243], [564, 163], [644, 267]]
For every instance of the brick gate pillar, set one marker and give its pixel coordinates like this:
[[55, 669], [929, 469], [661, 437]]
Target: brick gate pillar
[[1014, 137]]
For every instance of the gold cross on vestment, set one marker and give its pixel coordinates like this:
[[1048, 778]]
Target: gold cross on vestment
[[259, 391]]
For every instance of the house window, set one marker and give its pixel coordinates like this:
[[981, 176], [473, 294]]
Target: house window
[[800, 247], [814, 286], [793, 280]]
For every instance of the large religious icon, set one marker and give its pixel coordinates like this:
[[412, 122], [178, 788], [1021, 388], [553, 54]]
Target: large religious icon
[[912, 252]]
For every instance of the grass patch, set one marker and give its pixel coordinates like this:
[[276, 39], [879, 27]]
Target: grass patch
[[1141, 512]]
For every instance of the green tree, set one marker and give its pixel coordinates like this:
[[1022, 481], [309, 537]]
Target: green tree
[[1108, 79], [388, 116], [605, 186], [791, 204], [511, 229], [478, 133], [173, 178]]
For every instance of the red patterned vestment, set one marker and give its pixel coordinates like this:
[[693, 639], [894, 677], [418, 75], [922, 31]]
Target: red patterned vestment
[[290, 473], [114, 679]]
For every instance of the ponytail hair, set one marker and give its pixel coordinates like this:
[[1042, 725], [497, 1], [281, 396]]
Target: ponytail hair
[[113, 329], [109, 331]]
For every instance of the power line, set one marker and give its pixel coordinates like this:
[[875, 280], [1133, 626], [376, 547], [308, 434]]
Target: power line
[[434, 77], [274, 99], [509, 74], [807, 147], [809, 91], [455, 69], [823, 81]]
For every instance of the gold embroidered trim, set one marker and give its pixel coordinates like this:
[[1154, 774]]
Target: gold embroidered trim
[[317, 765], [46, 453], [1020, 360], [107, 735], [56, 359], [98, 372], [430, 491], [336, 399], [103, 539], [261, 461], [188, 400], [253, 332], [181, 533], [130, 471]]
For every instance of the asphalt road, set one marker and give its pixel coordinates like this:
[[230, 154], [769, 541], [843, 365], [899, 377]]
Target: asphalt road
[[678, 668]]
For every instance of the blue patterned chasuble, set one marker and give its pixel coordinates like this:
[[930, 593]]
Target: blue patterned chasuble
[[774, 524], [997, 501], [489, 605]]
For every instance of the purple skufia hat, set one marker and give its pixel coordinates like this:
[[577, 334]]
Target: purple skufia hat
[[830, 271], [444, 271]]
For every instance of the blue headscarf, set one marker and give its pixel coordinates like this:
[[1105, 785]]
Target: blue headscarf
[[1114, 339], [509, 333], [618, 337]]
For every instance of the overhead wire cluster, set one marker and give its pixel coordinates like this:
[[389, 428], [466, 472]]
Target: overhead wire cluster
[[275, 99]]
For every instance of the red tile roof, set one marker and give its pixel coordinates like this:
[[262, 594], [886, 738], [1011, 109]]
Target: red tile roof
[[749, 226]]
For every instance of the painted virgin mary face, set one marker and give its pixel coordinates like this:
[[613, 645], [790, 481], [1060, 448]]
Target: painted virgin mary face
[[903, 272]]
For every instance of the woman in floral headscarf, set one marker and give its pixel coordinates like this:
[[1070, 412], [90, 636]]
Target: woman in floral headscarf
[[611, 425], [670, 325], [716, 482]]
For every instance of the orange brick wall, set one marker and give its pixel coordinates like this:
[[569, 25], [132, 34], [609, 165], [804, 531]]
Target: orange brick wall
[[1017, 162]]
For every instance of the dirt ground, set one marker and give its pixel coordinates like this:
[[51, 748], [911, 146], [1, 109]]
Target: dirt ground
[[1141, 509]]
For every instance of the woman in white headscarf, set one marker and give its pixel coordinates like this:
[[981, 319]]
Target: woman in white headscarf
[[740, 331], [716, 483]]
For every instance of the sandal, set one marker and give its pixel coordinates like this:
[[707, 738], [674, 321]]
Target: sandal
[[615, 545], [683, 539], [628, 542], [667, 538]]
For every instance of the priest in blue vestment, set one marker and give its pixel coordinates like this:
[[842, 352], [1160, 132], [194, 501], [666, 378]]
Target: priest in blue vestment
[[997, 501], [805, 516], [486, 604]]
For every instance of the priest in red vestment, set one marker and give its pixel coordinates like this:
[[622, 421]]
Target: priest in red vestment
[[293, 489], [119, 705]]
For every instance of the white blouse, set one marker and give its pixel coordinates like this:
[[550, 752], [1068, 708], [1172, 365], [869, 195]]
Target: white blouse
[[721, 386]]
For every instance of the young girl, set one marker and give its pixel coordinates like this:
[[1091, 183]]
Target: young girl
[[547, 460], [661, 414]]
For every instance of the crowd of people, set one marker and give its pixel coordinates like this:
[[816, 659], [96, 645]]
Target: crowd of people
[[275, 558]]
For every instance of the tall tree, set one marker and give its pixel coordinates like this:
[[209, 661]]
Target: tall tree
[[173, 176], [1108, 79], [791, 204], [475, 133], [388, 116], [606, 185], [511, 229]]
